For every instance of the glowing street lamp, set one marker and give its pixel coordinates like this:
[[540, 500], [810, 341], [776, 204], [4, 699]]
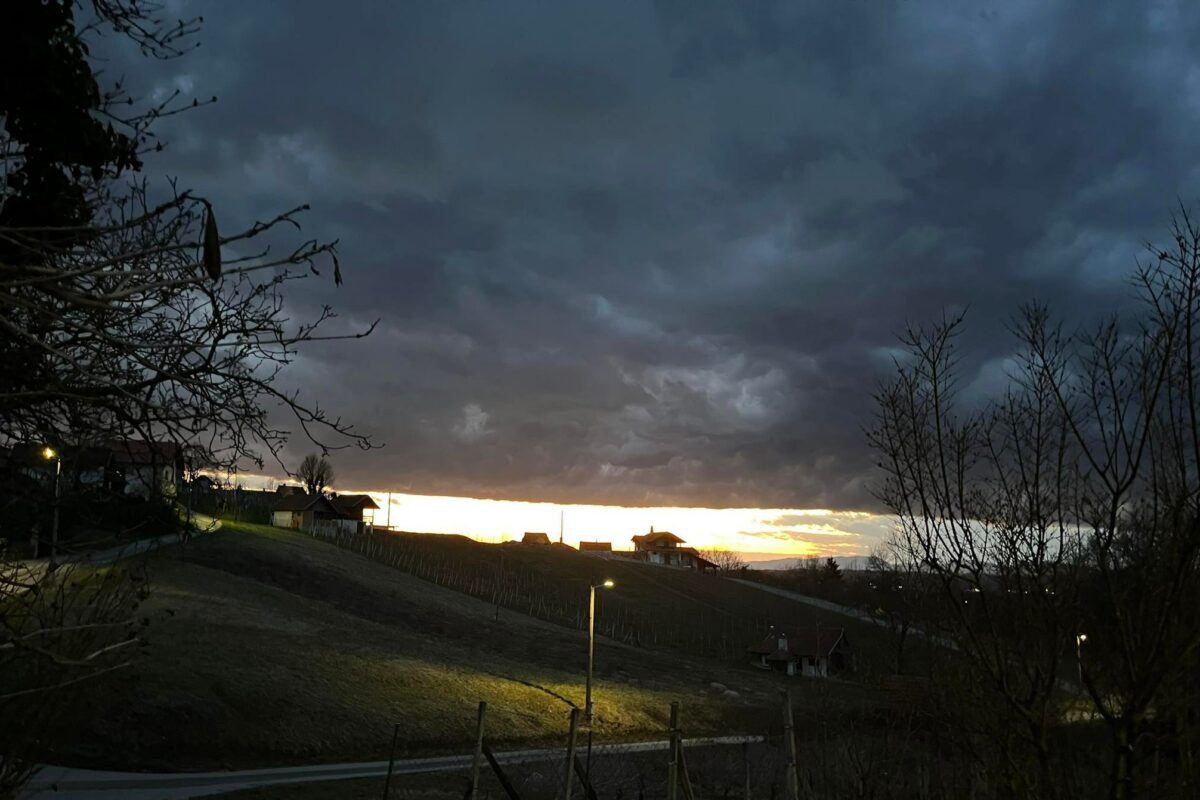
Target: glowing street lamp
[[1080, 638], [49, 454], [607, 584]]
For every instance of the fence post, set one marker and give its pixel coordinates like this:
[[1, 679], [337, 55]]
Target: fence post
[[585, 779], [566, 786], [746, 764], [684, 777], [505, 783], [672, 765], [789, 739], [387, 782], [474, 793]]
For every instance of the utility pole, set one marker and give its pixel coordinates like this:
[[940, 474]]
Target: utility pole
[[560, 526]]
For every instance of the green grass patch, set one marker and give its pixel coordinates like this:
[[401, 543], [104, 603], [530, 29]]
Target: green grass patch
[[267, 647]]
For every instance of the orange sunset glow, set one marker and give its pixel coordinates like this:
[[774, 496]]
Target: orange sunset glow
[[757, 533]]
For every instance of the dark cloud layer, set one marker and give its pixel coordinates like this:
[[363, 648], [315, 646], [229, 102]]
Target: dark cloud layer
[[656, 253]]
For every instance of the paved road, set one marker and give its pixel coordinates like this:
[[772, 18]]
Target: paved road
[[62, 783], [849, 611], [19, 576], [201, 524]]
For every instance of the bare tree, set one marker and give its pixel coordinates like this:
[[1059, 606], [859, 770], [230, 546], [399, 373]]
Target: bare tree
[[897, 588], [315, 473], [59, 631], [1060, 522], [124, 313], [725, 560]]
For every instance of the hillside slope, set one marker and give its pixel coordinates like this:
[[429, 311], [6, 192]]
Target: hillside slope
[[267, 647], [652, 606]]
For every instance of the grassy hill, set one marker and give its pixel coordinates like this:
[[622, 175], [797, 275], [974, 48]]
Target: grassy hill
[[269, 647], [652, 606]]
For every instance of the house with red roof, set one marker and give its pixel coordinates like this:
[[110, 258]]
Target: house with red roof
[[665, 548], [811, 652]]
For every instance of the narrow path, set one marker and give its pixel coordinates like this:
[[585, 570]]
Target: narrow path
[[63, 783], [18, 577], [848, 611], [816, 602], [201, 524]]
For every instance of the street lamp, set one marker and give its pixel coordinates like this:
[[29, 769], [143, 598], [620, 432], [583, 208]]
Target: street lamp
[[607, 584], [50, 455], [1080, 638]]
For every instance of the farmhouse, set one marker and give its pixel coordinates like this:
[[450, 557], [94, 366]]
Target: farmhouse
[[320, 514], [124, 467], [357, 507], [147, 469], [663, 547], [534, 537], [812, 652], [595, 547]]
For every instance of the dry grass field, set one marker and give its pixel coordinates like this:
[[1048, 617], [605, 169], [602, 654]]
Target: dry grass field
[[267, 647]]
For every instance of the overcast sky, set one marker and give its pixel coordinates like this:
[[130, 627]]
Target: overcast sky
[[656, 253]]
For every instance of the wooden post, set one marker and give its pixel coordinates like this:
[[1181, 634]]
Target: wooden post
[[585, 780], [684, 777], [478, 757], [387, 782], [789, 740], [672, 764], [746, 764], [505, 783], [566, 785]]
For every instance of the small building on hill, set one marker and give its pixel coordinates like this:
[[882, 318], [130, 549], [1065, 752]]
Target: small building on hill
[[321, 514], [358, 507], [664, 547], [595, 547], [147, 469], [535, 537], [301, 512], [811, 652], [125, 467]]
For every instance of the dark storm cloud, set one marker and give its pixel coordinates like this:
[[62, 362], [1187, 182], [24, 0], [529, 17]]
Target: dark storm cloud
[[655, 253]]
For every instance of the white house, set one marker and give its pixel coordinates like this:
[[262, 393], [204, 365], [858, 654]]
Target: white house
[[812, 652]]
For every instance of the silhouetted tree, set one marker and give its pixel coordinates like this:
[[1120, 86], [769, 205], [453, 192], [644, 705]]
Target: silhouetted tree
[[120, 314], [315, 473], [726, 560], [831, 570], [1069, 508], [124, 313]]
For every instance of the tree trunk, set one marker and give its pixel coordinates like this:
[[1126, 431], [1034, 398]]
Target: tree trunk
[[1122, 769]]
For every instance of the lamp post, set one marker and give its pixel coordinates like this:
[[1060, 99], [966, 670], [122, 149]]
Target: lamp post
[[50, 455], [607, 584], [1080, 638]]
